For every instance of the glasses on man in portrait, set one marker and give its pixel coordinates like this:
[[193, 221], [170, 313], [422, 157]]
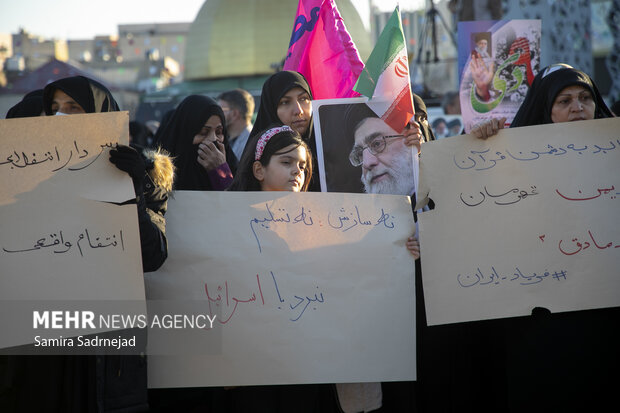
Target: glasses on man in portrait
[[376, 146]]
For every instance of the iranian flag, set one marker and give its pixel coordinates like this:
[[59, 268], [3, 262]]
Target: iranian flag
[[385, 78]]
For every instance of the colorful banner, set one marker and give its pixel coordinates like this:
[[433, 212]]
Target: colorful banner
[[497, 62], [322, 50]]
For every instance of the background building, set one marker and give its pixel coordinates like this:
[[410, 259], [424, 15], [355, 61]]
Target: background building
[[135, 41], [239, 44], [36, 51]]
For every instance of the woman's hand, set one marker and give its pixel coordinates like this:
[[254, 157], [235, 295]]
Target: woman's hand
[[488, 128], [211, 154], [413, 246], [413, 134]]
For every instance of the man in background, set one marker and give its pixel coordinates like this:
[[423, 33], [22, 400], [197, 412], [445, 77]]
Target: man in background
[[238, 106]]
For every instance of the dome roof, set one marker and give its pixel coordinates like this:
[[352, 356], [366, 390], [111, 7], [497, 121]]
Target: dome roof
[[246, 37]]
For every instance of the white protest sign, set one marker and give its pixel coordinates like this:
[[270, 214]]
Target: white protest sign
[[63, 153], [305, 288], [524, 219], [59, 243]]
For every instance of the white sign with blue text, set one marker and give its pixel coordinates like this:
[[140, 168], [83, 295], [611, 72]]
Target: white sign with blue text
[[304, 287]]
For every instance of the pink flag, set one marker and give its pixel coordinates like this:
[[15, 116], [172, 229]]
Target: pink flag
[[322, 50]]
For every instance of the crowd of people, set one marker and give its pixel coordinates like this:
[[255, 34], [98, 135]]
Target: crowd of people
[[207, 144]]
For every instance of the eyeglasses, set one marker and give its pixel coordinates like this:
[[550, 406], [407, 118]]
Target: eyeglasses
[[376, 146]]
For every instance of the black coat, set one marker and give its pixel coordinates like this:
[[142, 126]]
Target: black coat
[[152, 206]]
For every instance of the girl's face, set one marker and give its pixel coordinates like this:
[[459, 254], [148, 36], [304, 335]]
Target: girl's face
[[63, 103], [573, 103], [285, 170], [211, 131], [295, 110]]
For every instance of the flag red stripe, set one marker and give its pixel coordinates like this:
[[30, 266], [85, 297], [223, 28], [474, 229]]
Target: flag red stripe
[[400, 111]]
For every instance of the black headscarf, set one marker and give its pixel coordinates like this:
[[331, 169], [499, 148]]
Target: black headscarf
[[91, 95], [420, 107], [30, 105], [138, 133], [162, 126], [536, 108], [275, 87], [177, 135]]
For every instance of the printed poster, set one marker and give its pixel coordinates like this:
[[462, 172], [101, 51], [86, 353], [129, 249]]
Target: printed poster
[[340, 126], [497, 62]]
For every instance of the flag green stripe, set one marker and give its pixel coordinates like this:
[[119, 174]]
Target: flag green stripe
[[390, 43]]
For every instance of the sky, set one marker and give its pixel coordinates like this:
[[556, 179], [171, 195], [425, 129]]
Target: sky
[[88, 18]]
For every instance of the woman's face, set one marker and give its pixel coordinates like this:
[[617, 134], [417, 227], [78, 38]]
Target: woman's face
[[573, 103], [211, 131], [65, 104], [295, 110]]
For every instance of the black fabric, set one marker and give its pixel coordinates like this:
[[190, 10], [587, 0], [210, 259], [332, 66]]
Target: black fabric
[[274, 88], [138, 133], [354, 115], [420, 106], [128, 159], [91, 95], [536, 107], [177, 135], [31, 105], [165, 119], [121, 381], [152, 202], [46, 384], [303, 398]]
